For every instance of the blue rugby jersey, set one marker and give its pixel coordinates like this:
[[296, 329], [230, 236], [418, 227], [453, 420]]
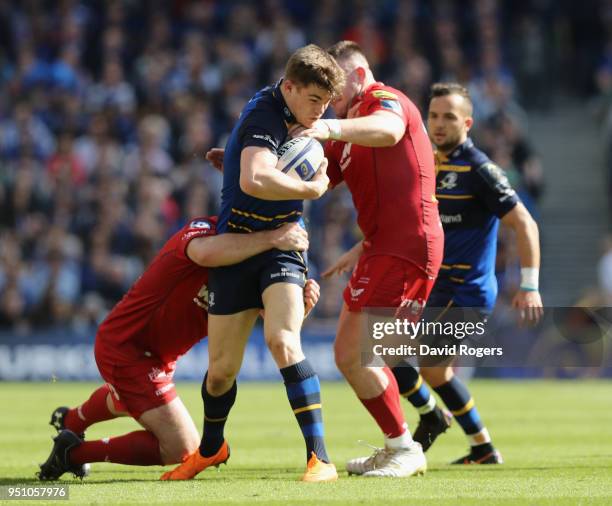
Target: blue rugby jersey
[[473, 193], [263, 122]]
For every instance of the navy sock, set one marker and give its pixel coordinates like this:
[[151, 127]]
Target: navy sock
[[216, 411], [461, 404], [304, 393], [411, 386]]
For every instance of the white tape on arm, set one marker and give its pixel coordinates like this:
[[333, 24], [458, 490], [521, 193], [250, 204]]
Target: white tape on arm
[[335, 130], [530, 278]]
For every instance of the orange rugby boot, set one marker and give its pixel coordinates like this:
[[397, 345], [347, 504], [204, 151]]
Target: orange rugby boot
[[195, 464], [319, 471]]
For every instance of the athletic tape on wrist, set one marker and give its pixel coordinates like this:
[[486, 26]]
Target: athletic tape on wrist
[[530, 278], [335, 130]]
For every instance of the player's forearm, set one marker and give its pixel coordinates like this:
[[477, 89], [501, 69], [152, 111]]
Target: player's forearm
[[527, 235], [528, 245], [528, 242], [228, 249], [372, 131], [259, 177], [356, 250], [274, 185]]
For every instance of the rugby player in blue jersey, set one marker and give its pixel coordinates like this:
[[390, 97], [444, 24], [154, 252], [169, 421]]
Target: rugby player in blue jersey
[[256, 196], [474, 196]]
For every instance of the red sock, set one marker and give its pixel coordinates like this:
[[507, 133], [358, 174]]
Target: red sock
[[386, 408], [93, 410], [139, 448]]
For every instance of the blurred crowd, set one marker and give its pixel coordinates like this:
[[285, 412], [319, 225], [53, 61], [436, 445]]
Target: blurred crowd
[[107, 108], [601, 103]]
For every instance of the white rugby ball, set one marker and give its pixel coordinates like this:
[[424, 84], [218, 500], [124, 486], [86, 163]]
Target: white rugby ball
[[300, 158]]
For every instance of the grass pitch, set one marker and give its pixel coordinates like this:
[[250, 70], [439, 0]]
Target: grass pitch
[[556, 438]]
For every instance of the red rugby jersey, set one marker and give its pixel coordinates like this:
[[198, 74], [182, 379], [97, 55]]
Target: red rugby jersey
[[165, 312], [393, 188]]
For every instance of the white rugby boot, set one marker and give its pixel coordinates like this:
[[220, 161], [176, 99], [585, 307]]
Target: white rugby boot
[[400, 463], [362, 465], [390, 463]]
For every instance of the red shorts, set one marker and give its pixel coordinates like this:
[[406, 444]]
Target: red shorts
[[139, 382], [383, 281]]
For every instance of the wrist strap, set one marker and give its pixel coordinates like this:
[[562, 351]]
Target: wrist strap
[[530, 279], [335, 130]]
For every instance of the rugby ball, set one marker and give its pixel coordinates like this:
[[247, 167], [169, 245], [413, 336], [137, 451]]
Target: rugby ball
[[300, 158]]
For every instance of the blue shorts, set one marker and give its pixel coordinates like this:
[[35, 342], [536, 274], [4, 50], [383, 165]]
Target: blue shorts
[[235, 288]]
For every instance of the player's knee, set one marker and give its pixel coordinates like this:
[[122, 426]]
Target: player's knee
[[284, 347], [345, 359], [220, 380]]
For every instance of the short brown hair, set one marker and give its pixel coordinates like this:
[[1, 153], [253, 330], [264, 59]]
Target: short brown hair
[[313, 65], [445, 89], [345, 49]]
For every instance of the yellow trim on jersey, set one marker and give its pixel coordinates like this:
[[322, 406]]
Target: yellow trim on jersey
[[454, 197], [384, 94], [454, 168], [455, 266], [414, 388], [306, 408], [239, 227], [265, 218], [456, 280], [464, 409], [251, 215], [292, 213]]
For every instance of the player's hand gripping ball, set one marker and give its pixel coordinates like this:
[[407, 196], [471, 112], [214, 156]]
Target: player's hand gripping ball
[[300, 158]]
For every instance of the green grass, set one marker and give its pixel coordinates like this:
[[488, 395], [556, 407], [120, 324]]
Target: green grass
[[556, 438]]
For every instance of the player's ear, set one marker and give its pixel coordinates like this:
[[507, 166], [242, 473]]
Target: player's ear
[[469, 121], [361, 74], [288, 85]]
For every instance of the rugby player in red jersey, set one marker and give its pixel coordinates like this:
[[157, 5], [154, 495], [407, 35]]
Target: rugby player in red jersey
[[380, 148], [161, 317]]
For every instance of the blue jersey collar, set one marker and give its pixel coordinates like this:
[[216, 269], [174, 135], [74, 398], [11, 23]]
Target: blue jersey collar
[[461, 149], [276, 93]]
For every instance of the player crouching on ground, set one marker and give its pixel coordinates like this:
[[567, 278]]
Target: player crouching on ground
[[162, 316]]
